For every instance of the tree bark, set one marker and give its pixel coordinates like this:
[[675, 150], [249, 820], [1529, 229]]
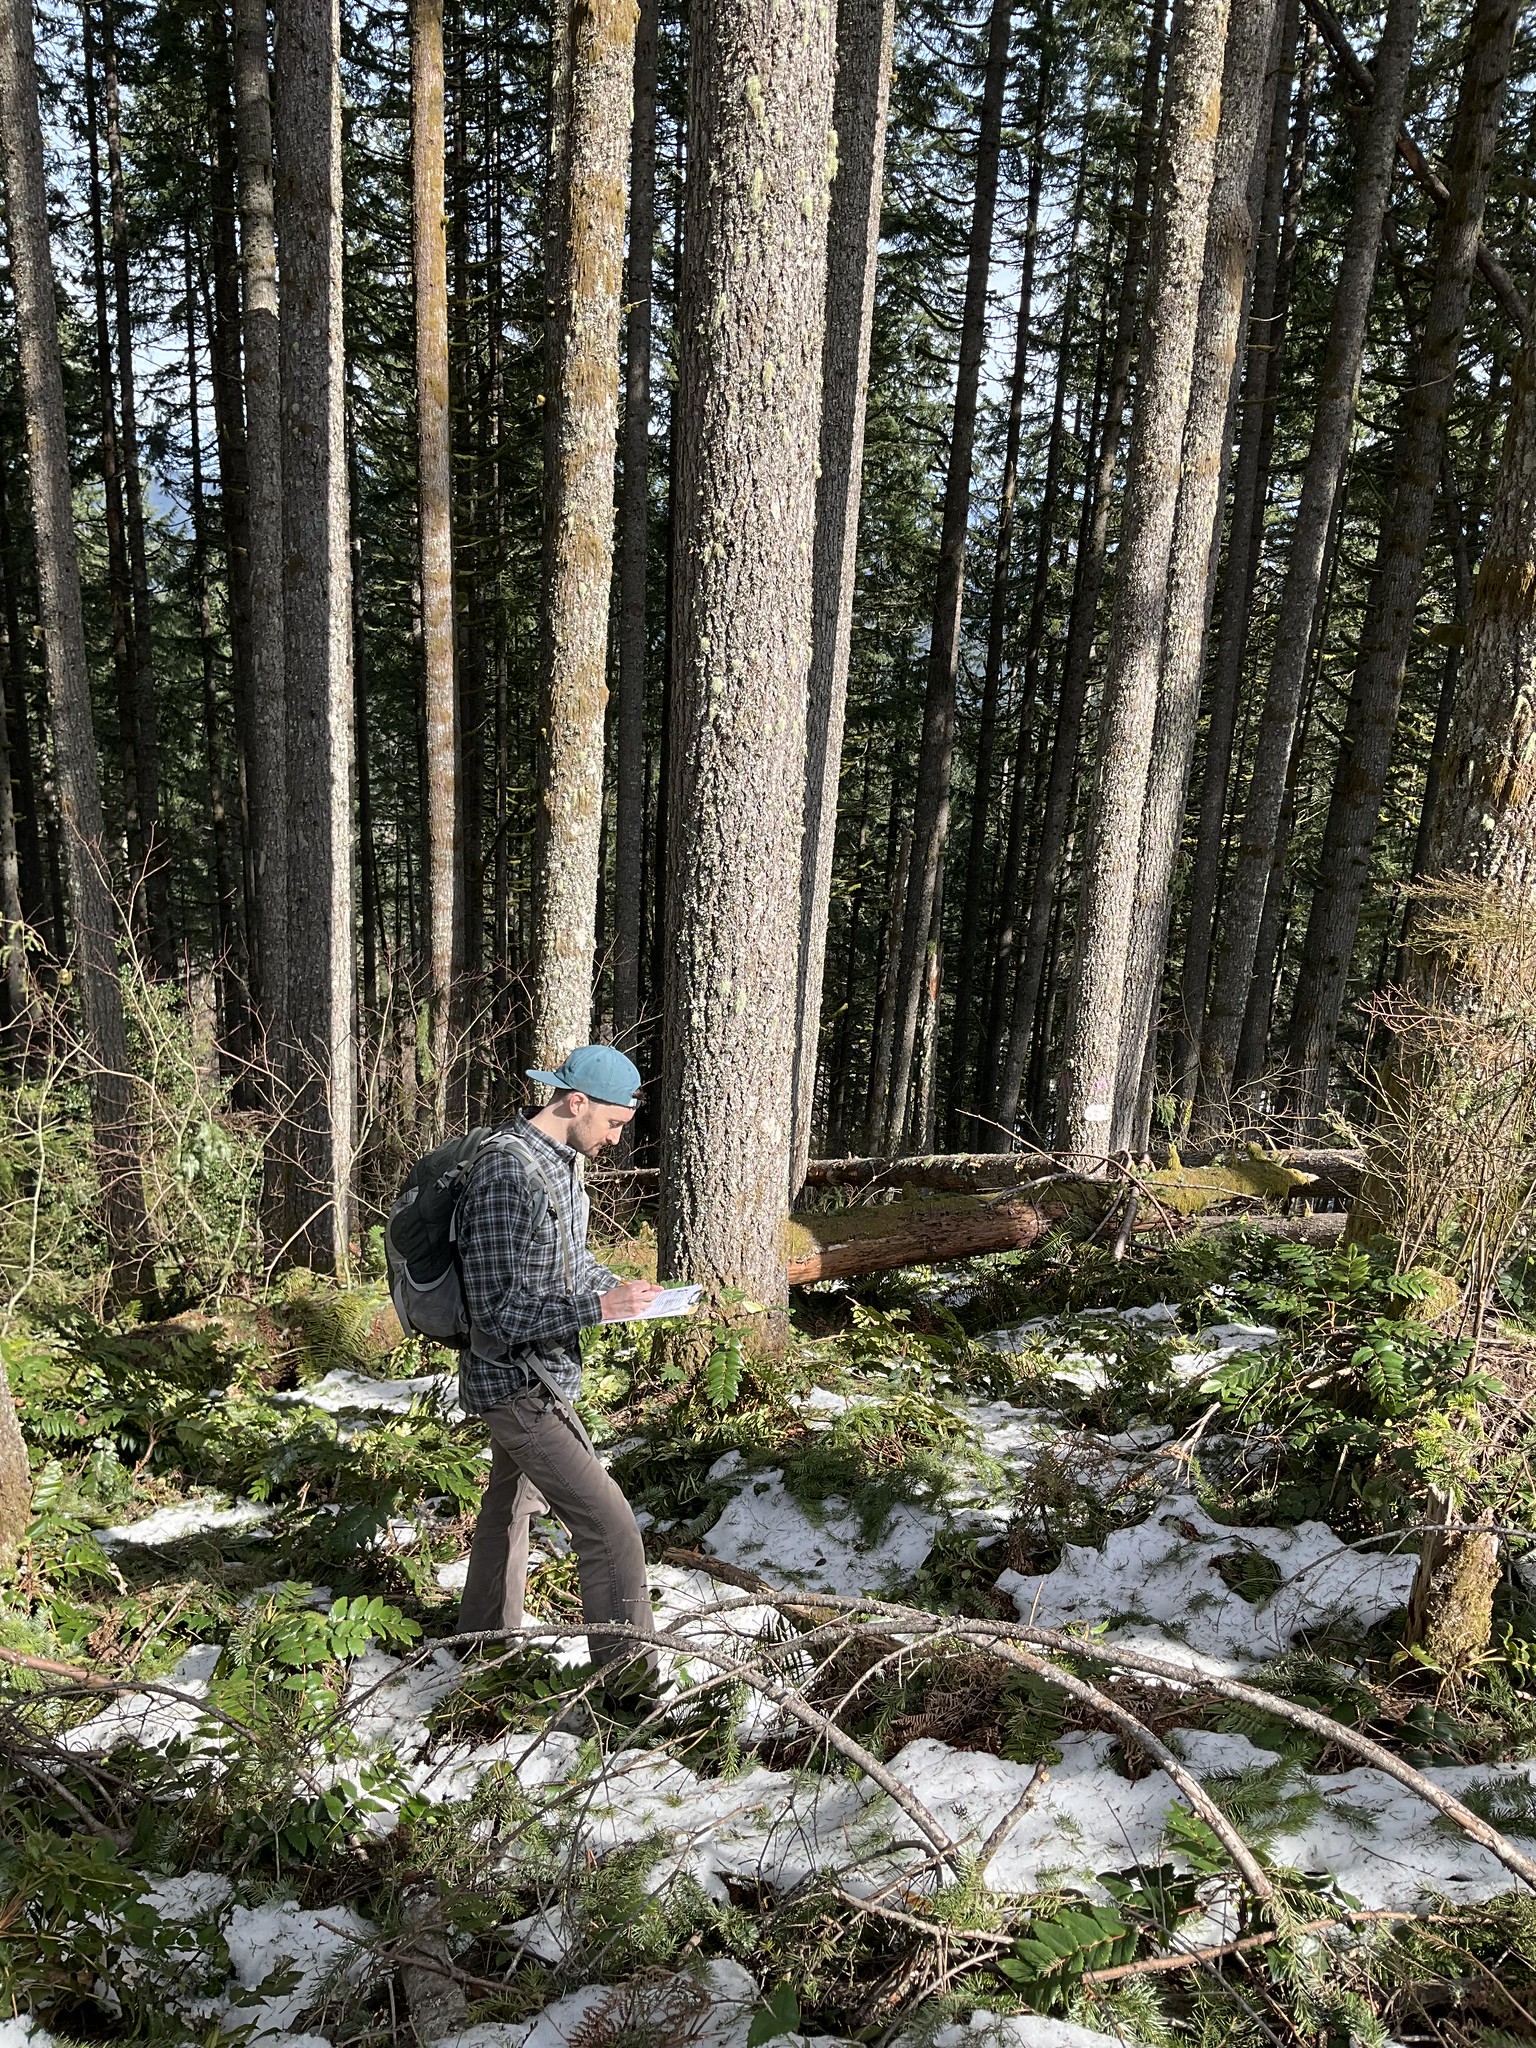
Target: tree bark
[[316, 633], [1257, 410], [578, 565], [998, 614], [749, 418], [1329, 448], [635, 545], [434, 485], [930, 824], [227, 379], [1026, 756], [865, 30], [1366, 748], [264, 509], [1246, 82], [15, 1480], [1130, 702], [35, 905], [1061, 777], [93, 913], [1484, 825], [156, 874], [118, 586]]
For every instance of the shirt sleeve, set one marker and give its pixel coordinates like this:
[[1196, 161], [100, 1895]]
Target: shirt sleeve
[[595, 1275], [511, 1276]]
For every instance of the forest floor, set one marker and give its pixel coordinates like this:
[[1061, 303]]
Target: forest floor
[[280, 1810]]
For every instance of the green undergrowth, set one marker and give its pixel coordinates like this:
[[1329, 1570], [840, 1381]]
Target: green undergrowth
[[1362, 1403]]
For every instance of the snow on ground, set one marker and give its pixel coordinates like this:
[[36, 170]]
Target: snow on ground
[[213, 1513], [150, 1719], [713, 2011], [1017, 2030], [1081, 1346], [311, 1946], [766, 1530], [354, 1393], [1159, 1583]]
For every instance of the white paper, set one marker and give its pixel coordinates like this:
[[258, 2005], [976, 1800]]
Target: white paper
[[672, 1301]]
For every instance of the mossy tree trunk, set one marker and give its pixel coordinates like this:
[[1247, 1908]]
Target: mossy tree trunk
[[15, 1479], [590, 170], [748, 426]]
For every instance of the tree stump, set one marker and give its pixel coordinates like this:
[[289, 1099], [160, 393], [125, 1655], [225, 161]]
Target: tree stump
[[1450, 1609]]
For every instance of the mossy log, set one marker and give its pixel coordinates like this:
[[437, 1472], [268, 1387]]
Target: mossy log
[[1331, 1172], [922, 1230]]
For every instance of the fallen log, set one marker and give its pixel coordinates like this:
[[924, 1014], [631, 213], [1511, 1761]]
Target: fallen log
[[922, 1230], [1333, 1172]]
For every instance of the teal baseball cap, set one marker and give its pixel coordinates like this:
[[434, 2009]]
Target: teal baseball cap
[[600, 1071]]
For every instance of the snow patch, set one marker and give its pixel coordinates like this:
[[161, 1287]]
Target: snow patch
[[713, 2010], [191, 1518], [354, 1393], [1159, 1583], [150, 1719], [313, 1946], [765, 1526], [1015, 2030]]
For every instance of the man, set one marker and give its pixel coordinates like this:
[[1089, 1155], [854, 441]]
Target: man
[[531, 1287]]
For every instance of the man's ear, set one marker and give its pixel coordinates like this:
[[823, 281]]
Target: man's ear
[[575, 1102]]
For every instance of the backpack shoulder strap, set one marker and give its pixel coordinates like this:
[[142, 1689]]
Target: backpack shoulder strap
[[535, 1170]]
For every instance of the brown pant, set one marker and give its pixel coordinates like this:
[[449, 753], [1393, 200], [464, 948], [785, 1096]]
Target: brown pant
[[540, 1459]]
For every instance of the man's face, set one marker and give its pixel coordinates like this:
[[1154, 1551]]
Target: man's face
[[594, 1125]]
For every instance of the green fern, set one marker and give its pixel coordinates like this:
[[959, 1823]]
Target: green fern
[[722, 1375], [1058, 1952]]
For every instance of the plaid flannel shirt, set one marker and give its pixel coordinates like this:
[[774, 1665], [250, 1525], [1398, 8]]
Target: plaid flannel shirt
[[530, 1284]]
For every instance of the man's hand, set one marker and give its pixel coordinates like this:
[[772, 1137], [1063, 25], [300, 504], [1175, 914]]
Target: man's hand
[[627, 1299]]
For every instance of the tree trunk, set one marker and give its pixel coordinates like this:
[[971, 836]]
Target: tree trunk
[[1135, 647], [156, 877], [264, 504], [13, 954], [1246, 81], [434, 484], [635, 554], [15, 1480], [226, 921], [1331, 430], [1061, 777], [865, 29], [234, 477], [1245, 539], [883, 1023], [1484, 825], [119, 591], [1026, 759], [93, 914], [998, 614], [316, 633], [1366, 748], [578, 565], [35, 907], [748, 420], [930, 824]]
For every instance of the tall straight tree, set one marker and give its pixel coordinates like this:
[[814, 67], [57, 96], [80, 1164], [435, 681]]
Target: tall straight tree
[[748, 425], [1236, 192], [635, 542], [156, 881], [930, 823], [93, 913], [434, 487], [589, 167], [1329, 448], [865, 29], [268, 765], [971, 974], [317, 634], [1191, 122], [1061, 774], [1366, 747], [1257, 411], [1483, 827]]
